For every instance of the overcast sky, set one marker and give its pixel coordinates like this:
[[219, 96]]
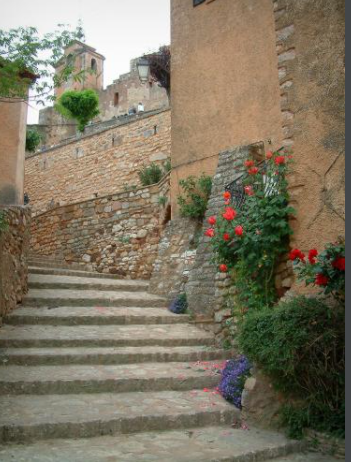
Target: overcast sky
[[118, 29]]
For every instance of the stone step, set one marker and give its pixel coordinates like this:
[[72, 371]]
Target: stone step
[[208, 444], [55, 264], [61, 297], [32, 417], [89, 315], [74, 379], [42, 281], [69, 272], [102, 336], [125, 355]]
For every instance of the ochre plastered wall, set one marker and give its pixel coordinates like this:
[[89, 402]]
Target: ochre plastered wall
[[13, 117], [102, 163], [310, 46], [225, 88]]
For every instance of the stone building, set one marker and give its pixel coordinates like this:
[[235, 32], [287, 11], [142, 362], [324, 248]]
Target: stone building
[[116, 100]]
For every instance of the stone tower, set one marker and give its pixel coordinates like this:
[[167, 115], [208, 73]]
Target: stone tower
[[82, 57]]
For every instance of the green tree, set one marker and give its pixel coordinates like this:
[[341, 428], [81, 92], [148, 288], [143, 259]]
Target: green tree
[[81, 106], [33, 140], [23, 52]]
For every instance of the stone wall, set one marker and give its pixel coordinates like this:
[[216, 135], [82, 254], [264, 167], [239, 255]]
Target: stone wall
[[176, 255], [117, 234], [311, 50], [14, 247], [207, 289], [93, 165]]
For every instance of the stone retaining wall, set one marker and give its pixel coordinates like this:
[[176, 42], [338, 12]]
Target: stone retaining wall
[[176, 255], [14, 247], [117, 234], [97, 164]]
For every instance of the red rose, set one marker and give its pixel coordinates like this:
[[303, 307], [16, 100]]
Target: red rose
[[212, 220], [239, 230], [339, 263], [227, 195], [253, 171], [229, 214], [269, 155], [210, 232], [321, 280], [223, 268], [249, 163], [312, 256], [249, 190], [279, 160], [297, 254], [226, 237]]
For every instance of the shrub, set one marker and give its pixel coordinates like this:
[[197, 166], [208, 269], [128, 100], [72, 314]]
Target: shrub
[[150, 175], [179, 305], [33, 140], [233, 380], [300, 345], [82, 106], [167, 166], [197, 193]]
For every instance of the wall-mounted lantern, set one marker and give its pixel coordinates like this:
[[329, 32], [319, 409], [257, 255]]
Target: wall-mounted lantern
[[143, 70]]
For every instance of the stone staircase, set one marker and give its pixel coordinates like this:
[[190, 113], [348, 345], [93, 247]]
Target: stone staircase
[[95, 369]]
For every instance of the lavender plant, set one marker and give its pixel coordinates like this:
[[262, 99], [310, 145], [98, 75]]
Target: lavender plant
[[233, 380]]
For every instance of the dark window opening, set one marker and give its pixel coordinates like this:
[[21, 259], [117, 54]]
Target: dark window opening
[[116, 99], [198, 2], [93, 64]]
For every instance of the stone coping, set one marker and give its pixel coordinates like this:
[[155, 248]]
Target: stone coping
[[150, 188]]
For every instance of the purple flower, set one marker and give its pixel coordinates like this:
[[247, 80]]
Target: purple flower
[[233, 380]]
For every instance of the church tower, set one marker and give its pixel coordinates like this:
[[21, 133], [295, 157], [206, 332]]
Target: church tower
[[81, 57]]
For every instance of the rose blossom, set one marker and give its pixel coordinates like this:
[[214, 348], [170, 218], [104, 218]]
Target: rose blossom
[[239, 230], [339, 263], [223, 268], [279, 160], [312, 254], [226, 237], [229, 214], [227, 195], [210, 232], [269, 155], [249, 190], [212, 220], [253, 171], [321, 280], [296, 254], [249, 163]]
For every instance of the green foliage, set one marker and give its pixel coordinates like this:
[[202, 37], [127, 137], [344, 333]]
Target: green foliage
[[167, 166], [326, 270], [197, 193], [23, 50], [33, 140], [150, 175], [264, 220], [82, 106], [300, 345], [162, 200], [3, 222]]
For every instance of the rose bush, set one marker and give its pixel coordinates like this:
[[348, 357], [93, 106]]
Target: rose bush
[[249, 241]]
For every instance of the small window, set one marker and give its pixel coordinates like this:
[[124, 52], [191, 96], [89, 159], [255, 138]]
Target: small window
[[116, 99], [198, 2], [70, 60], [93, 64]]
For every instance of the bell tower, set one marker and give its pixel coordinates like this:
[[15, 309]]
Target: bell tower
[[81, 57]]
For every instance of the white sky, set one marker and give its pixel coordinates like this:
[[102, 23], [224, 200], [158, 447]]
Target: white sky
[[118, 29]]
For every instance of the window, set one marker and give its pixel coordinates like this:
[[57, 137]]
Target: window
[[70, 60], [198, 2], [93, 64], [116, 99]]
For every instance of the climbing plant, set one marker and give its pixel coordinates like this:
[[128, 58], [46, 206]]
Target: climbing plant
[[33, 140], [197, 191]]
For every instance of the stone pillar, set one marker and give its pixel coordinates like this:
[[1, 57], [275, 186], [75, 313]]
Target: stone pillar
[[13, 120]]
